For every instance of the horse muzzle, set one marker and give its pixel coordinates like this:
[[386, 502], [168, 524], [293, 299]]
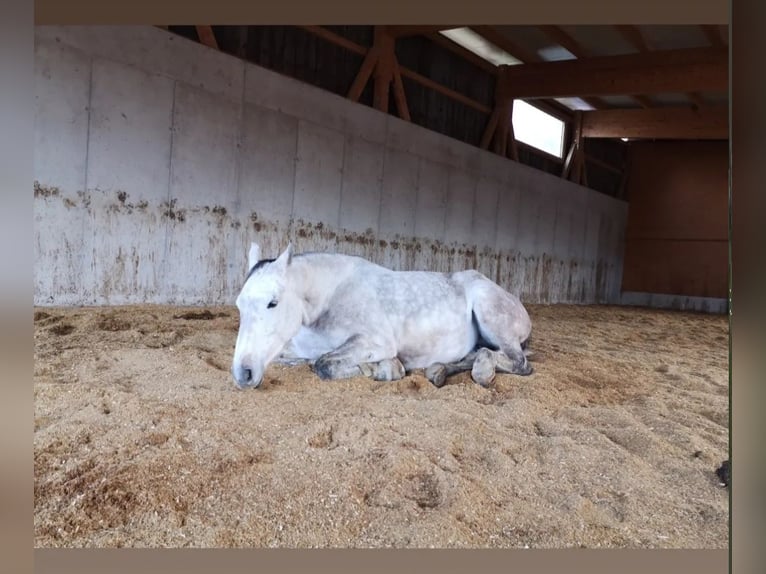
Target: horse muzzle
[[246, 377]]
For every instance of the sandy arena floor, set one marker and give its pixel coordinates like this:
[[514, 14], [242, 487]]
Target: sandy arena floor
[[142, 440]]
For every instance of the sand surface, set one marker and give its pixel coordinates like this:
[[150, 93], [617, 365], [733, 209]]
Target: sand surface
[[142, 440]]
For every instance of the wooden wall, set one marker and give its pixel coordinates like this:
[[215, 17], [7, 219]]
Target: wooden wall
[[677, 231]]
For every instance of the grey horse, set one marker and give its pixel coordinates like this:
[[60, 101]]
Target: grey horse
[[347, 316]]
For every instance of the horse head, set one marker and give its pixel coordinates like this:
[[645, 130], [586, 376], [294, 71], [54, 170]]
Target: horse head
[[270, 314]]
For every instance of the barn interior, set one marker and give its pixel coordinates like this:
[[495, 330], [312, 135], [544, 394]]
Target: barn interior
[[277, 132], [583, 168]]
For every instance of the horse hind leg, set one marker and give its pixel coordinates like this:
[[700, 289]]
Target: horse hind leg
[[438, 372], [483, 369], [504, 323]]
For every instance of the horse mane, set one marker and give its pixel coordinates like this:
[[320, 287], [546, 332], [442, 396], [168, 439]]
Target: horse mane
[[258, 265]]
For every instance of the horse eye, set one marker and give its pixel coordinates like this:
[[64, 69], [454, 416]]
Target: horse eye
[[272, 304]]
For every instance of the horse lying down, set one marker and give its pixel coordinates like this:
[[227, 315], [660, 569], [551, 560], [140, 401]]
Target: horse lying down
[[347, 316]]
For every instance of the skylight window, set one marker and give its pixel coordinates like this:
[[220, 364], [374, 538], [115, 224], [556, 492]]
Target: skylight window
[[531, 125], [538, 129], [475, 43]]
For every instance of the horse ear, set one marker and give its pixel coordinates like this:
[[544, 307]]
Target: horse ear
[[254, 256], [286, 256]]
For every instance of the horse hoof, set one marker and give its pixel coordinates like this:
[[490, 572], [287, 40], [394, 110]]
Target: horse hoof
[[483, 370], [323, 369], [437, 374], [367, 370], [484, 382]]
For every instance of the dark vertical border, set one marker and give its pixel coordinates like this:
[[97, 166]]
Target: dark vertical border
[[397, 11], [748, 288], [16, 140]]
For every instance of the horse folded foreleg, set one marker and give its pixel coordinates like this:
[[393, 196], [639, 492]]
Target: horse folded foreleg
[[385, 370], [357, 356]]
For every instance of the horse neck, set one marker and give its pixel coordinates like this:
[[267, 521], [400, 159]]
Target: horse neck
[[314, 279]]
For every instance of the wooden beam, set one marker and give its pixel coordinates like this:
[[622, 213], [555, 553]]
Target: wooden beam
[[404, 31], [206, 36], [568, 161], [384, 69], [437, 87], [563, 39], [336, 39], [634, 37], [365, 71], [502, 41], [399, 96], [489, 131], [514, 148], [578, 175], [448, 44], [571, 163], [405, 72], [655, 72], [705, 123]]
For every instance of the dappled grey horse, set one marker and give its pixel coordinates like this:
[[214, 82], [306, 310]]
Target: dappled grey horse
[[347, 316]]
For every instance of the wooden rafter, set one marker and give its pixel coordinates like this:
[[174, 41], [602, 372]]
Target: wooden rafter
[[634, 37], [403, 31], [384, 68], [574, 164], [333, 38], [500, 40], [381, 61], [653, 72], [450, 93], [566, 41], [336, 39], [448, 44], [704, 123], [206, 36], [365, 71], [399, 96], [500, 125]]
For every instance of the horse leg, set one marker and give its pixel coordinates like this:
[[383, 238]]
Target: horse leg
[[385, 370], [503, 322], [438, 372], [291, 361], [290, 357], [359, 356], [483, 370], [503, 363]]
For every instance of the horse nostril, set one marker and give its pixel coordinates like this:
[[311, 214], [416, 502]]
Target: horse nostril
[[247, 375]]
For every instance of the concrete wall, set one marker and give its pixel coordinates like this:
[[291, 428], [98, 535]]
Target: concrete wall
[[157, 161]]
